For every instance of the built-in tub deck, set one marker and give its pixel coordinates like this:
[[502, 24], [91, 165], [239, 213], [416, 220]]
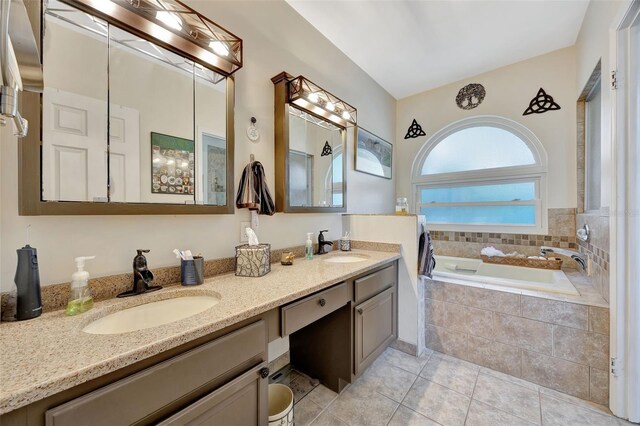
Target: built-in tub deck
[[567, 285]]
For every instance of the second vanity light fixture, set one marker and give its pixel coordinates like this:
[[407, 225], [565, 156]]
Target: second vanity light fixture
[[174, 26], [311, 97]]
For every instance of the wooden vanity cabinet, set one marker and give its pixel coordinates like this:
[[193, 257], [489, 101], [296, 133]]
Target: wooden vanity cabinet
[[336, 341], [375, 324], [220, 378]]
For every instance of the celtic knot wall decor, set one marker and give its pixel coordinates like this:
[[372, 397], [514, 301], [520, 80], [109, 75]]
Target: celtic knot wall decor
[[541, 103], [326, 149], [470, 96], [415, 130]]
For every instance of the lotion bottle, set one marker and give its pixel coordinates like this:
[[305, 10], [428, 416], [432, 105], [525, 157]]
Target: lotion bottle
[[308, 247], [80, 298]]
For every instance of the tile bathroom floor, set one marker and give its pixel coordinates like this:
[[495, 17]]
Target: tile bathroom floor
[[436, 389]]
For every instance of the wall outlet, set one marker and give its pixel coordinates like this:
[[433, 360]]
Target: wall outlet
[[243, 235]]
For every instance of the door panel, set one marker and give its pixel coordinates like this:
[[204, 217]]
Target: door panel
[[375, 327], [74, 140]]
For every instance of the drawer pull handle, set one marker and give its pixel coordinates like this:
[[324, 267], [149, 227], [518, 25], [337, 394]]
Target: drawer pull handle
[[322, 302], [264, 372], [360, 311]]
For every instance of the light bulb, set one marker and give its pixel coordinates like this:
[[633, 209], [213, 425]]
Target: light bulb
[[219, 48], [313, 97], [330, 106], [171, 19], [346, 115]]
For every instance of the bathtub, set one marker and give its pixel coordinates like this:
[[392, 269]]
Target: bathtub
[[460, 270]]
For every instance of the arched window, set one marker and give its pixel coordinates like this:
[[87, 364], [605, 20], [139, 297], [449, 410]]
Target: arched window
[[482, 174]]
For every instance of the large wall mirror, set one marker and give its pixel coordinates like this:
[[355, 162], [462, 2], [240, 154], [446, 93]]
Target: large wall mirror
[[129, 125], [310, 148]]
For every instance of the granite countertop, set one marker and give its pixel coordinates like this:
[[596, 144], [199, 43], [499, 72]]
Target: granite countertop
[[50, 354]]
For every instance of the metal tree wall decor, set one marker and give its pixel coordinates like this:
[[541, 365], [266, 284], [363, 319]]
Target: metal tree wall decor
[[326, 149], [470, 96], [414, 131], [541, 103]]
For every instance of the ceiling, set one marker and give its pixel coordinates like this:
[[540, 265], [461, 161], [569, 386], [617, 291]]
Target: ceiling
[[412, 46]]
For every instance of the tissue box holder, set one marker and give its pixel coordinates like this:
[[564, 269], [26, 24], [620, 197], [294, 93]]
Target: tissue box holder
[[253, 261]]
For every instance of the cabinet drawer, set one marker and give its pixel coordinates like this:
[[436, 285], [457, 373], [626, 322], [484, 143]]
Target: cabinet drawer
[[138, 397], [242, 402], [373, 284], [304, 312]]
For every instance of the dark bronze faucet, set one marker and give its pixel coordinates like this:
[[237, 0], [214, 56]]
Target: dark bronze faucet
[[322, 243], [142, 277]]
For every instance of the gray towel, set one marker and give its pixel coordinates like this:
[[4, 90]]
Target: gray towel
[[253, 192], [426, 261]]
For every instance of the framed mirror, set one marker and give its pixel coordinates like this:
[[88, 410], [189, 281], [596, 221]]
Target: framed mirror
[[310, 149], [128, 125]]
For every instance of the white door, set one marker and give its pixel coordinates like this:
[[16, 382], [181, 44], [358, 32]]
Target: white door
[[74, 135], [124, 165], [624, 385]]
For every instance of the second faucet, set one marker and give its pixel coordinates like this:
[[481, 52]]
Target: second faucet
[[322, 243]]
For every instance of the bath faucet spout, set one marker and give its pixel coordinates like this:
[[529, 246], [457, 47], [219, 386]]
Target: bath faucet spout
[[581, 259]]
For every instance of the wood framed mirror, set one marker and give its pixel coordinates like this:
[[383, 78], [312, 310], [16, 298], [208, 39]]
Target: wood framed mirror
[[310, 147], [126, 124]]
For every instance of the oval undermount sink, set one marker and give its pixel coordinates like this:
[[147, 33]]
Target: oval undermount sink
[[151, 314], [345, 258]]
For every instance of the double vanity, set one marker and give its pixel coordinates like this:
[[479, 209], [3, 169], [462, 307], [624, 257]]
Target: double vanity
[[191, 356]]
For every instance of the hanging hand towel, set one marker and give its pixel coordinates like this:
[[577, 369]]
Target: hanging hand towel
[[253, 192], [426, 260]]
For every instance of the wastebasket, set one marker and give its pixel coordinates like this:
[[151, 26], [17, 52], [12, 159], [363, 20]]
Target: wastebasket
[[280, 405]]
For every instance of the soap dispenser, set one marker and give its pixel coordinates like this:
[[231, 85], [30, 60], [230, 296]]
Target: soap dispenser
[[80, 298], [308, 247], [29, 301]]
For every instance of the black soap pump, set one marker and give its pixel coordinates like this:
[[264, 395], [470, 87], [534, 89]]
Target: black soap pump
[[29, 301]]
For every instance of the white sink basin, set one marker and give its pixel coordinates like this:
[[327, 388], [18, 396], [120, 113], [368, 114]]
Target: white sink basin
[[151, 314], [345, 258]]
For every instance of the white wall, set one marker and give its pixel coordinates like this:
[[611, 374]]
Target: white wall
[[509, 90], [276, 38], [591, 46]]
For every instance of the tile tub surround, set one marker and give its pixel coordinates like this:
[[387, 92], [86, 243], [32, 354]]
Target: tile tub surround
[[554, 343], [561, 233], [597, 248], [437, 389], [56, 296], [54, 367]]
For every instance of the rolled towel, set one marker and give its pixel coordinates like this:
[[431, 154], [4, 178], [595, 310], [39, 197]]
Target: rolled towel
[[491, 251]]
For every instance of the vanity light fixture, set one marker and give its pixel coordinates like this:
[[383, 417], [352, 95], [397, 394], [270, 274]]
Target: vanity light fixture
[[312, 98], [169, 19], [174, 26]]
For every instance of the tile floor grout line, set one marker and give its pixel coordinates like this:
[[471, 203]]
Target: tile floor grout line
[[584, 407], [405, 395], [473, 392], [510, 382], [540, 402]]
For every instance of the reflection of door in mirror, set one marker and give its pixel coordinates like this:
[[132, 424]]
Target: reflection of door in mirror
[[74, 125], [151, 91], [315, 161], [300, 178], [212, 179], [334, 181]]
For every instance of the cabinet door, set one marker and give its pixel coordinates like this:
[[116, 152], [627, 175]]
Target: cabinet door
[[242, 402], [375, 327]]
